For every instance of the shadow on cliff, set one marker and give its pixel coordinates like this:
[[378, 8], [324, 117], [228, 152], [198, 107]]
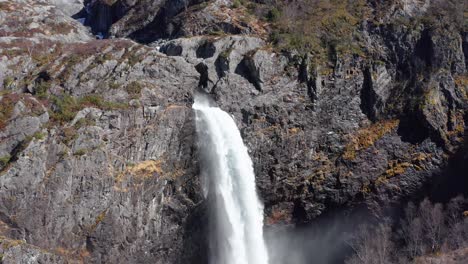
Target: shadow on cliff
[[324, 241], [100, 15], [195, 246], [453, 180]]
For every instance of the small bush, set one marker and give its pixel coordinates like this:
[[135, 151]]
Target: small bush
[[80, 152], [314, 26], [69, 134], [6, 109], [426, 229], [84, 122], [8, 82], [41, 89], [39, 135], [236, 4], [114, 85], [103, 58], [367, 137], [273, 15], [4, 161], [134, 89], [65, 107]]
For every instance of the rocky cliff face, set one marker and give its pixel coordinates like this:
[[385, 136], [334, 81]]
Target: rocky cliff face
[[97, 141]]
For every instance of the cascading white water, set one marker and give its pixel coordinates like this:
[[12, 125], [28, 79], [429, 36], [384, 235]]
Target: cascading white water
[[230, 187]]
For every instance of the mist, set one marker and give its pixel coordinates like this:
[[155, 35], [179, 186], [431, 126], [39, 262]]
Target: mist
[[325, 241]]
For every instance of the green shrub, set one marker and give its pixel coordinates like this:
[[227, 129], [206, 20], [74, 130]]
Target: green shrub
[[69, 134], [113, 85], [134, 58], [134, 89], [80, 152], [39, 135], [41, 89], [318, 27], [73, 59], [84, 122], [103, 58], [4, 160], [273, 15], [236, 4], [7, 82], [7, 105], [65, 107], [99, 102]]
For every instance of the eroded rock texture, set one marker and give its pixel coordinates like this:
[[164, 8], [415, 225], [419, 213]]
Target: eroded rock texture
[[98, 153]]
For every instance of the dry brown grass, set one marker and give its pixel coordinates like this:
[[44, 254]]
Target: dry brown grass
[[461, 81], [416, 161], [9, 243], [277, 216], [366, 137], [147, 169], [7, 105]]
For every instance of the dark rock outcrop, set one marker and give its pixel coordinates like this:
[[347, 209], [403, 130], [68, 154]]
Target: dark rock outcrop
[[98, 161]]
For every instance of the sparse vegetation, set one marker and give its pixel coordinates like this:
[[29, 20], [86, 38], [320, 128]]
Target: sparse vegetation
[[134, 89], [7, 82], [9, 243], [329, 29], [41, 89], [461, 82], [39, 135], [147, 169], [6, 108], [236, 4], [84, 122], [80, 152], [426, 229], [114, 85], [318, 27], [277, 216], [69, 134], [102, 58], [4, 160], [366, 137], [98, 220], [65, 107], [273, 15]]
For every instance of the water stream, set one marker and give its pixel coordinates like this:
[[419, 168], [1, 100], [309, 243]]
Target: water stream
[[236, 212]]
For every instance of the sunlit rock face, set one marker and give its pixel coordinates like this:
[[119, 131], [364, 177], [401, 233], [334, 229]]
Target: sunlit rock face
[[415, 7], [98, 154], [68, 7]]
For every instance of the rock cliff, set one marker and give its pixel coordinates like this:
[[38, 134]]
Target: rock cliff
[[97, 141]]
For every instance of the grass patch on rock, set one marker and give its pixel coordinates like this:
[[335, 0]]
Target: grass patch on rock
[[65, 107], [366, 137]]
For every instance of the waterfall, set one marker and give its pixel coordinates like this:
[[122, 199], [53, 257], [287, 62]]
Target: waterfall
[[229, 181]]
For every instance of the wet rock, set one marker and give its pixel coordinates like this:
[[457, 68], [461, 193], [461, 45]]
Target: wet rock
[[98, 160]]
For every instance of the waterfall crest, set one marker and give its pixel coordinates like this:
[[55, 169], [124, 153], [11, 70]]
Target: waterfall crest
[[229, 181]]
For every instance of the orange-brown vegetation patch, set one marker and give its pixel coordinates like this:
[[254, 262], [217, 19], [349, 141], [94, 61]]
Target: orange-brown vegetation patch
[[147, 169], [277, 216], [461, 82], [366, 137], [458, 130], [320, 172], [416, 161], [7, 105], [240, 17]]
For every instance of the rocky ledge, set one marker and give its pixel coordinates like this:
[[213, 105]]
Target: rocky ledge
[[97, 142]]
